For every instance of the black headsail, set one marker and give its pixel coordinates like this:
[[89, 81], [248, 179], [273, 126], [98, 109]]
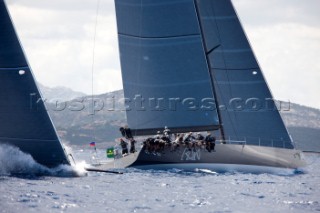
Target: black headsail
[[24, 121], [164, 69], [247, 109]]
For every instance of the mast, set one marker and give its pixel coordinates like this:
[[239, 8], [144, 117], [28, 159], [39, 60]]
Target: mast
[[209, 69]]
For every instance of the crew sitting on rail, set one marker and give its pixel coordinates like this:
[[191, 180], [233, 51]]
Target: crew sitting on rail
[[167, 137], [177, 141], [199, 137], [158, 143], [200, 140], [158, 135], [166, 131], [189, 140], [210, 142]]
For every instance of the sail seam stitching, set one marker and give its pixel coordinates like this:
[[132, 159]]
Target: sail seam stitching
[[26, 139], [162, 37], [216, 68], [13, 68]]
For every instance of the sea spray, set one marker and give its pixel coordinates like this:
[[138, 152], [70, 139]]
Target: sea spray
[[15, 162], [78, 166]]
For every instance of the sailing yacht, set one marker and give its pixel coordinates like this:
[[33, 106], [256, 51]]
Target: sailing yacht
[[24, 121], [188, 65]]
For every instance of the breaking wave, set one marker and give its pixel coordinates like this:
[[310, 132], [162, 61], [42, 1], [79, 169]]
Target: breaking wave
[[14, 162]]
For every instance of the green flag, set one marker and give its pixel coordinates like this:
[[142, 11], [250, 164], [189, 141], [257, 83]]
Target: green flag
[[110, 153]]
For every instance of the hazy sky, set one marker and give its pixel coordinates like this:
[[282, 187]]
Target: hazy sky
[[57, 36]]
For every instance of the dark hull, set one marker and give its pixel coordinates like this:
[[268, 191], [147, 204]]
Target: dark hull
[[227, 157], [223, 154]]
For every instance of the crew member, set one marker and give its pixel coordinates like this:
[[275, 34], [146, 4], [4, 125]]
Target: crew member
[[132, 145], [199, 137], [124, 146], [210, 142]]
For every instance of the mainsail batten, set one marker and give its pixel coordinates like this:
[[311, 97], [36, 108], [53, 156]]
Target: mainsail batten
[[248, 111], [165, 75], [24, 120]]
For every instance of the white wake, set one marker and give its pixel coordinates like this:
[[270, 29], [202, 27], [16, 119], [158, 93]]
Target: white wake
[[15, 162]]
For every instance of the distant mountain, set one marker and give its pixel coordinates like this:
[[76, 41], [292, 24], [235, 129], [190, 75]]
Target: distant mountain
[[301, 116], [78, 125], [303, 124], [61, 93]]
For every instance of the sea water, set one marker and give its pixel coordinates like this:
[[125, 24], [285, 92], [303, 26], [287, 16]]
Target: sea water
[[26, 186]]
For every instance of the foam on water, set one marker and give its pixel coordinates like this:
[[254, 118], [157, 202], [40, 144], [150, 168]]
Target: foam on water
[[15, 162]]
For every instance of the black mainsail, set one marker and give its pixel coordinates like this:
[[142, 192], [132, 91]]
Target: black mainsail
[[164, 69], [194, 49], [24, 120]]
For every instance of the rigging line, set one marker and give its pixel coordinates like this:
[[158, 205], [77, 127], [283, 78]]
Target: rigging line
[[198, 14], [224, 61], [92, 68]]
